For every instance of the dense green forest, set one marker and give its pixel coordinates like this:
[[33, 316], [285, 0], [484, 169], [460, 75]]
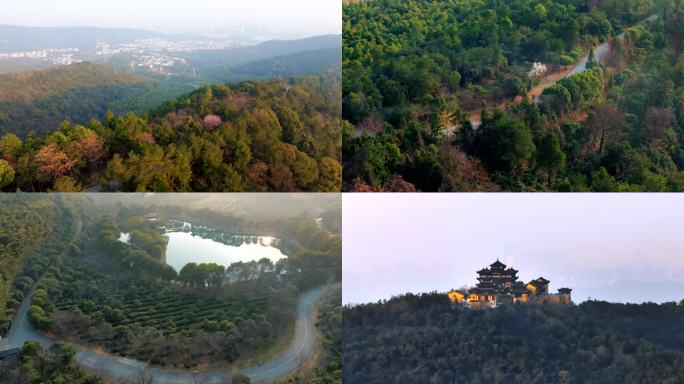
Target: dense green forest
[[478, 95], [424, 339], [275, 135]]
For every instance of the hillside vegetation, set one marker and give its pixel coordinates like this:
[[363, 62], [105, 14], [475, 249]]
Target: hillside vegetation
[[440, 95], [37, 101], [424, 339], [276, 135], [32, 85], [30, 240]]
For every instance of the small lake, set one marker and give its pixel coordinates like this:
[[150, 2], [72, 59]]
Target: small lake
[[184, 247]]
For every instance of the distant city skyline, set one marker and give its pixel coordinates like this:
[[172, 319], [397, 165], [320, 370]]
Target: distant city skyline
[[271, 18], [621, 248]]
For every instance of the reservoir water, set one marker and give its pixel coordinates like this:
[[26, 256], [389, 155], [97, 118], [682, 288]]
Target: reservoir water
[[185, 248]]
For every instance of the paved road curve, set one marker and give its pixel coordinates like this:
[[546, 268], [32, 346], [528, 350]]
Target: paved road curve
[[128, 370], [600, 53], [602, 50]]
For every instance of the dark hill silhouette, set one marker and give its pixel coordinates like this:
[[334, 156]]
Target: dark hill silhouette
[[425, 339]]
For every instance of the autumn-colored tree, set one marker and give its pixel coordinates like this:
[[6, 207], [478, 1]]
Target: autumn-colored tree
[[258, 174], [91, 147], [396, 183], [52, 162], [461, 173], [281, 178], [359, 186], [605, 124], [147, 138]]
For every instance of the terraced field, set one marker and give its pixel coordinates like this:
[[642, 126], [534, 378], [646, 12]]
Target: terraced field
[[164, 323], [146, 304], [141, 303]]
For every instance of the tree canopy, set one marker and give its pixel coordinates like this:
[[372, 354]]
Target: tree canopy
[[275, 135], [491, 95]]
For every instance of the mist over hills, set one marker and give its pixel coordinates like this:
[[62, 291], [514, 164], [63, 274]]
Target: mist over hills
[[20, 38], [135, 75]]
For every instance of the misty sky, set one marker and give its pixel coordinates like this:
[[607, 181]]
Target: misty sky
[[299, 17], [615, 247]]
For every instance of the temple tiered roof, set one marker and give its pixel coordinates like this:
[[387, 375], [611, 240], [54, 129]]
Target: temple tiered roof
[[499, 284]]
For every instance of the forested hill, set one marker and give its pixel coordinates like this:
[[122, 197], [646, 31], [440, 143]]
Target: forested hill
[[424, 339], [32, 85], [276, 135], [417, 75], [39, 100]]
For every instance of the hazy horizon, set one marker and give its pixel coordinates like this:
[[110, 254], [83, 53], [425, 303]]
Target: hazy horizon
[[267, 18], [621, 248]]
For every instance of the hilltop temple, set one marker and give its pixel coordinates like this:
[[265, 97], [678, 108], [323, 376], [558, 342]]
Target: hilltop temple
[[498, 285]]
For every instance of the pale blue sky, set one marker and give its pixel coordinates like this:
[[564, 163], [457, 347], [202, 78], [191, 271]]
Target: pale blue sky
[[306, 17], [617, 247]]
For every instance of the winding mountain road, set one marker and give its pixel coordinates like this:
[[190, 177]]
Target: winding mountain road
[[601, 52], [129, 370]]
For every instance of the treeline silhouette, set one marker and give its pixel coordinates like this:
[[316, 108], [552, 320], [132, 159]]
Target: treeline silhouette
[[425, 339]]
